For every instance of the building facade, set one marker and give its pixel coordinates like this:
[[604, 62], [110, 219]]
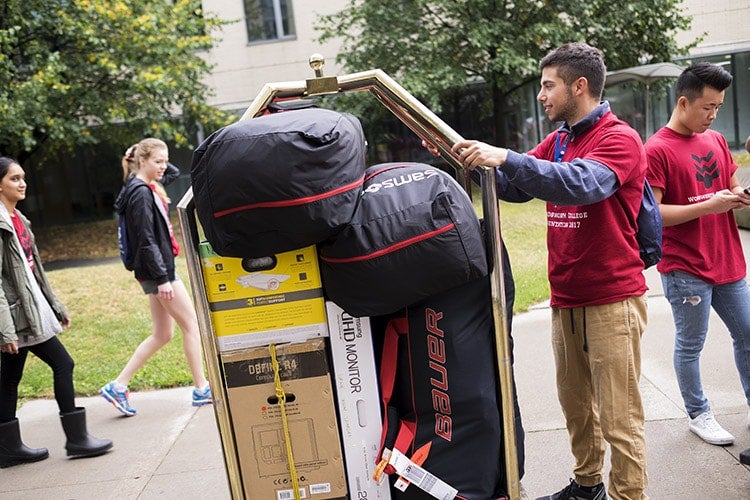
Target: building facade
[[244, 62], [246, 58], [266, 41]]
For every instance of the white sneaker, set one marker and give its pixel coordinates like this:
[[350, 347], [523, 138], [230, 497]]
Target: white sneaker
[[748, 418], [708, 429]]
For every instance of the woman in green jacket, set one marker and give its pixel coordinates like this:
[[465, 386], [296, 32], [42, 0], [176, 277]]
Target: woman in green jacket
[[31, 316]]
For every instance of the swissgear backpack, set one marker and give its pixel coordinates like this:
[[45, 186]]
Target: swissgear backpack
[[413, 234]]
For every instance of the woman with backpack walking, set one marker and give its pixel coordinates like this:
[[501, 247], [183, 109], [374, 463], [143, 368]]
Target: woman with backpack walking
[[31, 317], [152, 248]]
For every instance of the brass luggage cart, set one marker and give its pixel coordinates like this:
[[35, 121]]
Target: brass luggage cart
[[427, 126]]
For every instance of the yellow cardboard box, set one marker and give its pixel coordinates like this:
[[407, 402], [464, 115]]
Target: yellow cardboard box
[[257, 302], [312, 428]]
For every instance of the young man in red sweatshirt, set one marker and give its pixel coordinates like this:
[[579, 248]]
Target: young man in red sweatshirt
[[591, 173]]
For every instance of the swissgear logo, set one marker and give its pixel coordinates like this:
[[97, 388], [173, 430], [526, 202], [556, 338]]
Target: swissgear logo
[[400, 180], [705, 169]]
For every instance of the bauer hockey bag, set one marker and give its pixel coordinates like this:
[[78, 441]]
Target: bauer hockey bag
[[442, 430]]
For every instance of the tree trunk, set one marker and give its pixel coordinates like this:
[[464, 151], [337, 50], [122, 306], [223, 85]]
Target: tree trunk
[[500, 130]]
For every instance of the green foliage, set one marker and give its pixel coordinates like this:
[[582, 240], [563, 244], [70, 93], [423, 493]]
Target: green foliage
[[434, 48], [73, 73], [742, 159]]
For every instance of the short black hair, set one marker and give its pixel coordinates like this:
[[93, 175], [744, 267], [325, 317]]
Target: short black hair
[[575, 60], [698, 76]]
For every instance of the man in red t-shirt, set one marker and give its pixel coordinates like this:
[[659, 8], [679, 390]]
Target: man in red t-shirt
[[745, 455], [703, 265], [591, 174]]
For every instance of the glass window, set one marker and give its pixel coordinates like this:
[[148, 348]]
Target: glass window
[[269, 20], [741, 89], [627, 101], [725, 119], [525, 119]]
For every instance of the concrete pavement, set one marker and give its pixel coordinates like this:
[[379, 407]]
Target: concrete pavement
[[680, 465], [172, 450]]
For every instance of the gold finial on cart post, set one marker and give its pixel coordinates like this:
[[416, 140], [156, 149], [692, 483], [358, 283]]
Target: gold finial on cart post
[[317, 62], [320, 84]]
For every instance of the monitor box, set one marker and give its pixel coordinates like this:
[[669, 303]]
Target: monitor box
[[358, 398], [311, 428]]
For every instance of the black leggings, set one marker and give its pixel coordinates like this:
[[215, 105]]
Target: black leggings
[[53, 353]]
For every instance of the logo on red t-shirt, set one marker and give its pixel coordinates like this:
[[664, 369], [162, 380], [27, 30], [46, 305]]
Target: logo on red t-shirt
[[706, 169]]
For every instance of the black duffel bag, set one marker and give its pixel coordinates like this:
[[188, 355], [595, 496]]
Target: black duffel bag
[[278, 182], [414, 234], [438, 383]]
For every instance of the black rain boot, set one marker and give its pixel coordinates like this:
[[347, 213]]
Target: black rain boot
[[79, 443], [13, 451]]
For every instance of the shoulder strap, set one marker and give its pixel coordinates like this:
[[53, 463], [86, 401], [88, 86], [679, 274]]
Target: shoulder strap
[[396, 434]]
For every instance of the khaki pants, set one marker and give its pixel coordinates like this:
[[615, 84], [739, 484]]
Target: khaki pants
[[598, 359]]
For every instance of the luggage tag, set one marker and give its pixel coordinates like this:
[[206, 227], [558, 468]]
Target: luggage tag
[[422, 479], [418, 458]]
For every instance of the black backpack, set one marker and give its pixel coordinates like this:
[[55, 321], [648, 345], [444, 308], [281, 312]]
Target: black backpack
[[126, 254], [122, 239]]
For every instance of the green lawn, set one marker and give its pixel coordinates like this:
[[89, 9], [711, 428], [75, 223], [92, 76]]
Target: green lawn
[[110, 316], [523, 227], [110, 312]]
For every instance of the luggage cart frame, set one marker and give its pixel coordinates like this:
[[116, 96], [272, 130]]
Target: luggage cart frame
[[430, 128]]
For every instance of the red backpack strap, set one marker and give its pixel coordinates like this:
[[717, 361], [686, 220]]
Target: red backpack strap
[[389, 360], [396, 433]]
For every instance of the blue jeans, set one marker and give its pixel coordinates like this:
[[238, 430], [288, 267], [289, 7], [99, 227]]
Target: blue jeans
[[692, 299]]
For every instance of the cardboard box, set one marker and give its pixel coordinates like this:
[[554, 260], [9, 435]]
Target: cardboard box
[[258, 429], [358, 399], [261, 301]]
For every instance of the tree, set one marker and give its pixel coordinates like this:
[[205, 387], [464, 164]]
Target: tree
[[76, 72], [433, 48]]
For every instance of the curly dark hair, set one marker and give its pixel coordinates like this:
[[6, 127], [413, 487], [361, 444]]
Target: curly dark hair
[[575, 60]]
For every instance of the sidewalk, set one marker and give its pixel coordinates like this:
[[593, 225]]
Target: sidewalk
[[172, 450], [680, 465]]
